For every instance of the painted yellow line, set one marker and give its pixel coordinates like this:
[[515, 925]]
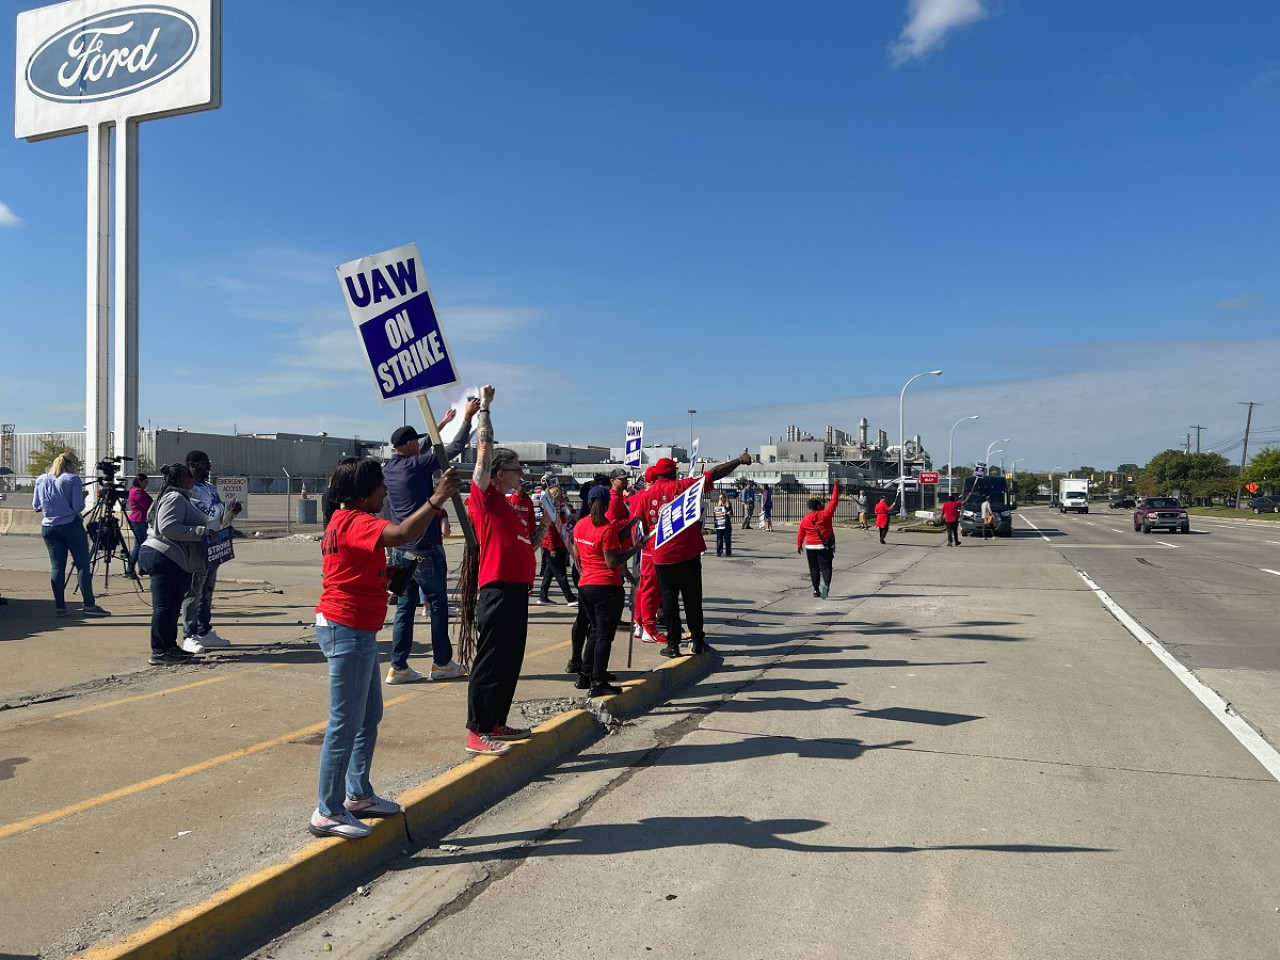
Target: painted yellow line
[[39, 820]]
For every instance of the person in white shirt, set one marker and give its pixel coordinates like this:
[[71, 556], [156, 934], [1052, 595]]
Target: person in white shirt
[[197, 605]]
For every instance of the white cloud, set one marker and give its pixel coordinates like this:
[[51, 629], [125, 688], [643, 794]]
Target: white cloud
[[8, 218], [929, 22], [484, 323], [1237, 303]]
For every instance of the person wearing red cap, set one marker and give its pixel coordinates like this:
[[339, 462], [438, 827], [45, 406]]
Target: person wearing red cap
[[678, 562]]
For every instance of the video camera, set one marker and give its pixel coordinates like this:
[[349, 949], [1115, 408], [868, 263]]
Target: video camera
[[108, 468]]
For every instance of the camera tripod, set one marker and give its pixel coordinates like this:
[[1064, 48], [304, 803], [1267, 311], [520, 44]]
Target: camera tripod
[[106, 536]]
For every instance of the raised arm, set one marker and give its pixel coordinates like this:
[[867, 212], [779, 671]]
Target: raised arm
[[459, 443], [483, 473], [414, 525], [722, 470]]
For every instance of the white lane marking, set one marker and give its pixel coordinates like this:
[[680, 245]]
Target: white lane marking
[[1265, 570], [1173, 545], [1114, 530], [1276, 542], [1035, 528], [1136, 545], [1249, 738]]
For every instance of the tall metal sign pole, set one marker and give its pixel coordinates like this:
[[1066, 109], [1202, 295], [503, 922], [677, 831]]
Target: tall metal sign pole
[[101, 67]]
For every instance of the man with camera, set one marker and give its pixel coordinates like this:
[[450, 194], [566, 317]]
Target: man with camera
[[197, 605]]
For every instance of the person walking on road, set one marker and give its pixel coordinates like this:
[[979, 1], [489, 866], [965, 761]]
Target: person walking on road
[[352, 608], [884, 509], [951, 517], [59, 495], [766, 507], [408, 476], [860, 505], [988, 519], [816, 538]]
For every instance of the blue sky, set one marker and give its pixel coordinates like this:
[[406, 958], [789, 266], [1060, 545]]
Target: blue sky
[[772, 213]]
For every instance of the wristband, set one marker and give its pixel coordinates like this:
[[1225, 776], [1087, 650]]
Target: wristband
[[432, 504]]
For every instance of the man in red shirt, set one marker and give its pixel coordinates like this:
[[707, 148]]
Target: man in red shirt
[[502, 598], [647, 597], [678, 562], [951, 517]]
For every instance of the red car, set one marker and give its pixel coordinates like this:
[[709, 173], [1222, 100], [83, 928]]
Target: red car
[[1157, 513]]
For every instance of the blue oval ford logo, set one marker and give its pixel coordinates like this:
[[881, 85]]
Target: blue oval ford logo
[[112, 54]]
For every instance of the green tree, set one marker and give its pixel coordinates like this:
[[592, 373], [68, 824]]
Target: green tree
[[1025, 487], [51, 447], [1264, 470], [1188, 472]]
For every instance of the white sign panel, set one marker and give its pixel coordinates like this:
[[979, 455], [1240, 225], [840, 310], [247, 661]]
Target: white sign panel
[[234, 488], [635, 440], [979, 469], [681, 513], [88, 62], [693, 458], [391, 307]]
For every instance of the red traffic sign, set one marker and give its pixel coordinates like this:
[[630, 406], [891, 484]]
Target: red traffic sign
[[1251, 487], [928, 478]]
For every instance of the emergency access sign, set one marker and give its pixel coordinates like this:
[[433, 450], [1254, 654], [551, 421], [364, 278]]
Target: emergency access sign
[[391, 306]]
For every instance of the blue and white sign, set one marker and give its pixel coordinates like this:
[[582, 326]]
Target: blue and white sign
[[680, 514], [979, 469], [635, 440], [391, 307], [89, 62], [693, 458]]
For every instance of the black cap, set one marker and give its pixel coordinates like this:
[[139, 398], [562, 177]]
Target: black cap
[[403, 435], [618, 474]]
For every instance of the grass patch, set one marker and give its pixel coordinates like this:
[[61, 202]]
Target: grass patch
[[1232, 514]]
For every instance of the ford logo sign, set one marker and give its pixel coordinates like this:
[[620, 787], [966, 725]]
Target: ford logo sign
[[112, 54]]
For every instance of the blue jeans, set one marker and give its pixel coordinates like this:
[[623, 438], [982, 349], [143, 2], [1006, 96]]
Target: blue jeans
[[430, 577], [139, 528], [197, 605], [355, 709], [59, 541]]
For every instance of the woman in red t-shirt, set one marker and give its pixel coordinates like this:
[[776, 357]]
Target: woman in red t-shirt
[[817, 538], [603, 564], [352, 608]]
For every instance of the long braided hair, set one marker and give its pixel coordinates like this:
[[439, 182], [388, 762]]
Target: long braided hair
[[173, 474]]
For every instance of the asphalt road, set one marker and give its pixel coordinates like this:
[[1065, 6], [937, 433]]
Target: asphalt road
[[1211, 596], [961, 754]]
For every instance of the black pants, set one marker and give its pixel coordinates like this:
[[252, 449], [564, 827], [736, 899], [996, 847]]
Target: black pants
[[578, 634], [502, 626], [819, 566], [604, 609], [169, 584], [953, 531], [724, 540], [555, 563], [681, 581]]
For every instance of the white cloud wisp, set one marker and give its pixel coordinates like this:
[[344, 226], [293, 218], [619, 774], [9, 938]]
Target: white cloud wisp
[[929, 22]]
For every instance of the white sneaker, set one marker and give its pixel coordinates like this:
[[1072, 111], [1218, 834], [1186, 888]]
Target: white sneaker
[[647, 637], [448, 672], [211, 639], [407, 675], [344, 825], [192, 645], [636, 631]]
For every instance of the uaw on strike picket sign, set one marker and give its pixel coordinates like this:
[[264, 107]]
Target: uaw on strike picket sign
[[681, 513], [391, 306]]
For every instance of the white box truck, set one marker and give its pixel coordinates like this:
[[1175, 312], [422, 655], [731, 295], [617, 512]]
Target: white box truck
[[1073, 494]]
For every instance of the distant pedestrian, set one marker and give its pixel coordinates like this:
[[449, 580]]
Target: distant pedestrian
[[555, 553], [748, 504], [766, 506], [352, 608], [860, 505], [951, 517], [59, 495], [988, 519], [816, 538], [884, 509], [723, 514], [139, 505]]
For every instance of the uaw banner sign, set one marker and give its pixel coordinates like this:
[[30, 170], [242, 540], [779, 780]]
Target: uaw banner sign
[[635, 440], [680, 514], [87, 62], [391, 307]]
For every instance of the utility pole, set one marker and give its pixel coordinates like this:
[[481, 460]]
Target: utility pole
[[1244, 454], [1197, 429]]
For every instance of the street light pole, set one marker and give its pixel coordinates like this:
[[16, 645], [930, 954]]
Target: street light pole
[[950, 444], [987, 461], [902, 438]]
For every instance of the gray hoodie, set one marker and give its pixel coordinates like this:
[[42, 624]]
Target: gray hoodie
[[178, 530]]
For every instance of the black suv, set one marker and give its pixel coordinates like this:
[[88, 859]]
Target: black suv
[[975, 489], [1123, 503], [1267, 503]]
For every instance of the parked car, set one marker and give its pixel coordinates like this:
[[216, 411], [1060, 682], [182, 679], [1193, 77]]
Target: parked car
[[1267, 503], [1161, 513], [1123, 503]]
